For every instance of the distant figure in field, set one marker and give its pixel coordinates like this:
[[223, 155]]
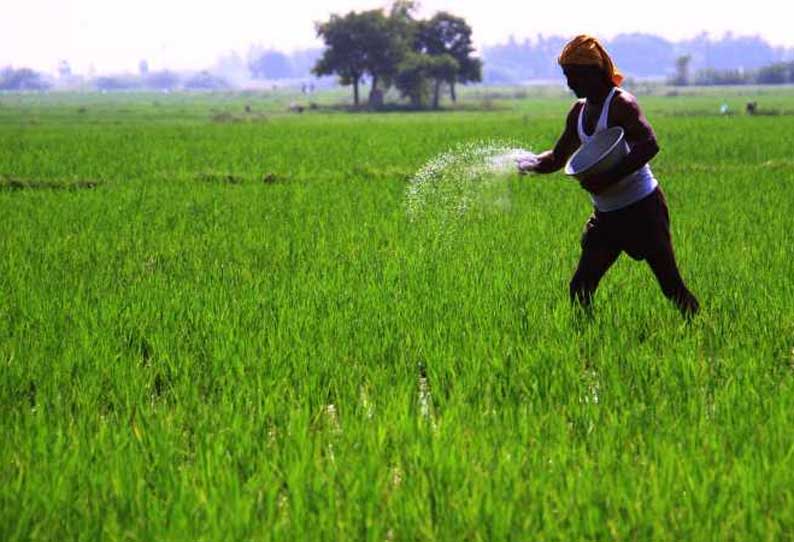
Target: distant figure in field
[[752, 108], [630, 211]]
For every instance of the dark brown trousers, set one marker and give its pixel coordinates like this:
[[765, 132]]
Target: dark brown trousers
[[642, 230]]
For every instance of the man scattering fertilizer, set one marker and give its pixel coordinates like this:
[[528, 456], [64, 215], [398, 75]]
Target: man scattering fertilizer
[[630, 212]]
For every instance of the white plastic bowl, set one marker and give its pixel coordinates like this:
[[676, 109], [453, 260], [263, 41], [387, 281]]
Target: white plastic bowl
[[604, 151]]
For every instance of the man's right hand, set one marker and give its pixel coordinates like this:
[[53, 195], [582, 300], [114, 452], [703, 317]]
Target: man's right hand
[[526, 165]]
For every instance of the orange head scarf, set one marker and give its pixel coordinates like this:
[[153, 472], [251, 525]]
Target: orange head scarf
[[588, 51]]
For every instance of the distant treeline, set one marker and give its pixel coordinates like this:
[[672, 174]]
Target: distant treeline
[[270, 64], [644, 56], [261, 68], [27, 79], [780, 73], [702, 60]]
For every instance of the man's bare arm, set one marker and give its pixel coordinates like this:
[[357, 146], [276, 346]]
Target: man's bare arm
[[554, 159]]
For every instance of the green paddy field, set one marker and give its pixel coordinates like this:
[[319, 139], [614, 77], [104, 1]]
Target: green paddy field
[[220, 324]]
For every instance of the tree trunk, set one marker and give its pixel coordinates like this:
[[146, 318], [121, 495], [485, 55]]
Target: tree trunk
[[355, 91], [375, 94], [452, 92], [436, 93]]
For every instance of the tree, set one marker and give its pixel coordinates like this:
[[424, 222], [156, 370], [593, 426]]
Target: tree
[[442, 69], [359, 44], [269, 65], [402, 10], [711, 76], [446, 34], [344, 54], [682, 70], [21, 79], [396, 48], [411, 79], [419, 76], [777, 73]]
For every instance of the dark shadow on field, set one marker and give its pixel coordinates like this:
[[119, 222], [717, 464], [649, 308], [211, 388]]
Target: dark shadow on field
[[227, 117], [481, 106], [710, 113], [14, 184], [222, 177]]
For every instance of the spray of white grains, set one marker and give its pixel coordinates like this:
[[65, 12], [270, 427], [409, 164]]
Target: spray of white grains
[[468, 178]]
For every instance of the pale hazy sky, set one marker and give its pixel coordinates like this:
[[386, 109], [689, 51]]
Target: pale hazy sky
[[114, 35]]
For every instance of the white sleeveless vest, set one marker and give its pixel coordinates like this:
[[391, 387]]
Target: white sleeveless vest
[[629, 189]]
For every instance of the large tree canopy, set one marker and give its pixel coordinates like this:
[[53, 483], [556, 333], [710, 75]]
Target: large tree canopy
[[398, 49], [359, 44], [447, 34]]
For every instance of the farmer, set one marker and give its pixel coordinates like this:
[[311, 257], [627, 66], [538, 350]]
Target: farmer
[[630, 211]]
